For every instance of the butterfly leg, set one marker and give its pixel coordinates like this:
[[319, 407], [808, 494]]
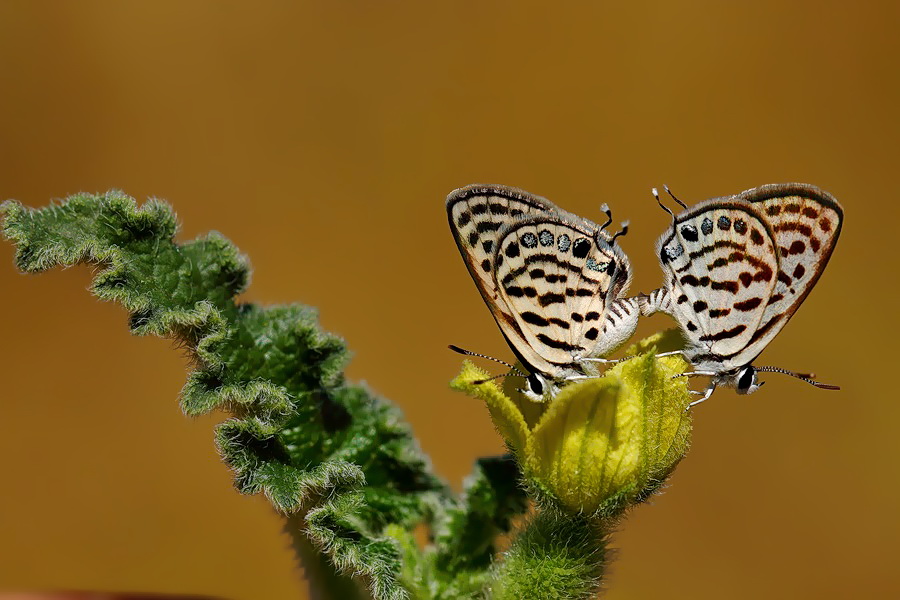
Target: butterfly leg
[[672, 353], [706, 395], [579, 377], [695, 373], [606, 361]]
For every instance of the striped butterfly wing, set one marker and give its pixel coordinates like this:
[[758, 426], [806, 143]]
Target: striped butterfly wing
[[477, 213], [806, 223], [554, 282], [720, 265]]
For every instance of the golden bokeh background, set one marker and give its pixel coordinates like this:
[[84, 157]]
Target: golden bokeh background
[[322, 138]]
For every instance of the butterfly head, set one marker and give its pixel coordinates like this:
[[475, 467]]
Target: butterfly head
[[537, 388], [745, 381]]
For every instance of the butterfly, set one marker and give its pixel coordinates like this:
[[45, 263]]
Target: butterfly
[[553, 281], [736, 269]]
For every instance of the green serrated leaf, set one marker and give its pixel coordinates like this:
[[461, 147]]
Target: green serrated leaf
[[466, 536], [312, 444]]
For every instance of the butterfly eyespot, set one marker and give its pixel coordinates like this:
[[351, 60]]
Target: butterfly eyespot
[[740, 226], [529, 240], [689, 232], [581, 247], [563, 242], [546, 238], [706, 226], [673, 252], [512, 250], [724, 223], [593, 265]]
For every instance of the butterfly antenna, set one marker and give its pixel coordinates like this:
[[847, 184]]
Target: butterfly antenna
[[500, 376], [623, 231], [669, 192], [807, 377], [655, 193], [502, 362], [605, 209]]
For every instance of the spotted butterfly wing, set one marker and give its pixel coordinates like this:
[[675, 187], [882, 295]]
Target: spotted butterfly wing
[[720, 264], [554, 282], [806, 223], [477, 213], [736, 271], [485, 219]]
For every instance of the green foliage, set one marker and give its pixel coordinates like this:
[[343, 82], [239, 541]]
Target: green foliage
[[311, 443], [339, 461], [466, 536]]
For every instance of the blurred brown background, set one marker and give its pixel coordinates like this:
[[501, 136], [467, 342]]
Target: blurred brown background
[[322, 139]]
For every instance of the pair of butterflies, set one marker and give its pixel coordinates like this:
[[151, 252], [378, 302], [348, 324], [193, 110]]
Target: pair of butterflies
[[736, 269]]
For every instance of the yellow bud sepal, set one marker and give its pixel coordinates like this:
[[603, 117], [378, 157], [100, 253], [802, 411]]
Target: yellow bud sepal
[[603, 444]]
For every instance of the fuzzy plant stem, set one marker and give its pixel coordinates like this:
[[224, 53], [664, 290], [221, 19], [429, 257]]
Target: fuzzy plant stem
[[556, 555]]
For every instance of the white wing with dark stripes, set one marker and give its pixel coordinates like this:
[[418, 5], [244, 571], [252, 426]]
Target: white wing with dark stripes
[[477, 213], [720, 264], [806, 223], [548, 276], [737, 268], [554, 280]]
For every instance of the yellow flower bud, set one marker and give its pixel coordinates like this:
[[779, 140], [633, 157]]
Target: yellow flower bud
[[602, 444]]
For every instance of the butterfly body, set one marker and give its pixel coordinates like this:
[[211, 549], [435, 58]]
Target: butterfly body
[[552, 280], [736, 269]]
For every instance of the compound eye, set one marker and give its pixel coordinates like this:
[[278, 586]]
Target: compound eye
[[746, 379], [535, 384]]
